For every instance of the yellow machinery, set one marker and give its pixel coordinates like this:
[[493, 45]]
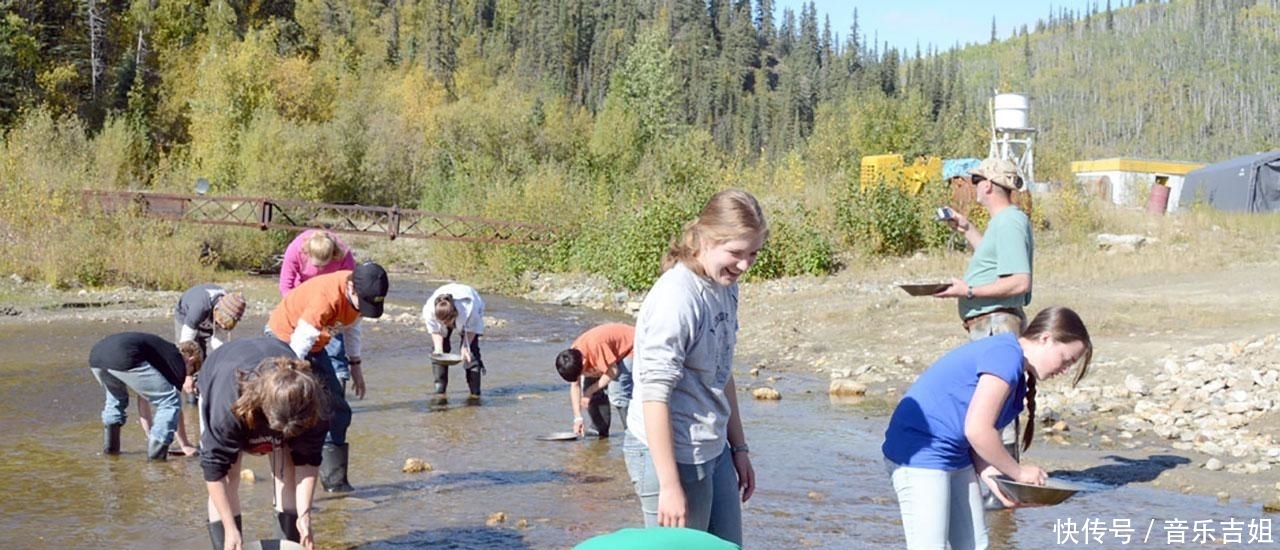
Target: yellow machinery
[[892, 170]]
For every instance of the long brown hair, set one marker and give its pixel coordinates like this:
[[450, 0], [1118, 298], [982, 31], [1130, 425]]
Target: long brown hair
[[192, 356], [1065, 326], [446, 311], [282, 393], [730, 214]]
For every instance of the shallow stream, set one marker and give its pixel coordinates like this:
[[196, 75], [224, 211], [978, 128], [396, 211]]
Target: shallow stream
[[818, 465]]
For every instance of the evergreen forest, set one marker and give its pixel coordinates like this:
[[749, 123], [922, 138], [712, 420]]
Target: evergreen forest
[[608, 120]]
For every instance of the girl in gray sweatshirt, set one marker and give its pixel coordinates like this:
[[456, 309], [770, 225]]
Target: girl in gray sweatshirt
[[685, 448]]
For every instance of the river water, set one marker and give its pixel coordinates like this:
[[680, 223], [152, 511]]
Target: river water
[[493, 485]]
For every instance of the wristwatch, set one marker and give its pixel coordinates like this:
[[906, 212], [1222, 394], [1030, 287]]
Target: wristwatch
[[743, 448], [969, 293]]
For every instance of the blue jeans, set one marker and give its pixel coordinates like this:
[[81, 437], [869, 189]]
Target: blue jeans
[[710, 491], [337, 351], [620, 392], [620, 387], [149, 384], [939, 507], [339, 409]]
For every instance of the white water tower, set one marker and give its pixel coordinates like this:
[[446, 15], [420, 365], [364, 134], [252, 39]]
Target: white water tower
[[1012, 138]]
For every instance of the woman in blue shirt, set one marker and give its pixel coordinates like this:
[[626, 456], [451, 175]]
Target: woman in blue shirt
[[946, 430]]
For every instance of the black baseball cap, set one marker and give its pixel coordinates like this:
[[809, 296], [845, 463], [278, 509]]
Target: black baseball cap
[[371, 285]]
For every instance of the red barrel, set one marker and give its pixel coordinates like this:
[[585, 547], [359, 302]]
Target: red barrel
[[1159, 200]]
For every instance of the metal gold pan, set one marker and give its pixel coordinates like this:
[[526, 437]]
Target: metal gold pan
[[1052, 492]]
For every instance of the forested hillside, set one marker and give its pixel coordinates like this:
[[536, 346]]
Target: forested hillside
[[609, 119]]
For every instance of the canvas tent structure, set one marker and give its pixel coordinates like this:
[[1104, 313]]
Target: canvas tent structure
[[1243, 184]]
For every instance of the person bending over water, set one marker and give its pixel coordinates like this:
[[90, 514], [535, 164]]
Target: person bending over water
[[944, 435]]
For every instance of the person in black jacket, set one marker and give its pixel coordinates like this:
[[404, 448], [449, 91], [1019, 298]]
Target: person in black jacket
[[157, 371], [256, 397]]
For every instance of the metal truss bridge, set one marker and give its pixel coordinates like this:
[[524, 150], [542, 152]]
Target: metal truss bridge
[[265, 213]]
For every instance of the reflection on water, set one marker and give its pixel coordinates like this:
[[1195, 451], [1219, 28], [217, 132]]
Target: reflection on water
[[821, 479]]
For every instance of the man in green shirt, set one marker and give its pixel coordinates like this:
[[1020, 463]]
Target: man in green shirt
[[997, 285]]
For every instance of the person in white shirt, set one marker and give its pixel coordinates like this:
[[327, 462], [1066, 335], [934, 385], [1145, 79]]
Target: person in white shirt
[[456, 308]]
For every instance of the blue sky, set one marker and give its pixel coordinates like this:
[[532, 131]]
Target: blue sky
[[904, 23]]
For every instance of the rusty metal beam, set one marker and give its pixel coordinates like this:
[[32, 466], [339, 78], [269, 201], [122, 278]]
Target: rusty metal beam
[[265, 213]]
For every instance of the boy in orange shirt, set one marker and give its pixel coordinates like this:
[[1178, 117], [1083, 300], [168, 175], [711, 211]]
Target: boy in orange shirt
[[306, 319], [598, 376]]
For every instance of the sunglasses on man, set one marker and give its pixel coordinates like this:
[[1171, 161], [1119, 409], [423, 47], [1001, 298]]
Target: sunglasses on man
[[976, 179]]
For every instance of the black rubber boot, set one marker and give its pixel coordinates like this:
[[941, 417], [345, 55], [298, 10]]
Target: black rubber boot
[[599, 414], [441, 375], [473, 381], [111, 439], [288, 526], [157, 450], [218, 536], [333, 468]]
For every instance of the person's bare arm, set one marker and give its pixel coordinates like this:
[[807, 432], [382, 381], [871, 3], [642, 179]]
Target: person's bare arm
[[575, 398], [220, 498], [304, 491], [984, 438], [1003, 287]]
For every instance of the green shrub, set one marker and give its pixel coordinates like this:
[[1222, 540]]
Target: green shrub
[[1071, 213], [884, 219], [796, 246], [629, 253]]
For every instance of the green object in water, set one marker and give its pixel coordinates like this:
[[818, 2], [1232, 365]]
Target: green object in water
[[666, 538]]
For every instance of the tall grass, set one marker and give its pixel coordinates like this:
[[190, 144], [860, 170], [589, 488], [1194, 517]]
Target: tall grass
[[53, 235]]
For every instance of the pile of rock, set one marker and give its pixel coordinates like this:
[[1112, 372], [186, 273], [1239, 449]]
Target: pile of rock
[[585, 290], [1203, 400]]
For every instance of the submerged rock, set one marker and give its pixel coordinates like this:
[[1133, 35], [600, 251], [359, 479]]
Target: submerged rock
[[415, 465], [767, 394], [845, 386], [496, 518]]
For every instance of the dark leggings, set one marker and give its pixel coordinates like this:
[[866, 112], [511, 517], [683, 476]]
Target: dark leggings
[[340, 409]]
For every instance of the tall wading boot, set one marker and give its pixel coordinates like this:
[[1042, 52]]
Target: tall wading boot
[[157, 450], [473, 382], [288, 526], [333, 468], [218, 536], [111, 439], [441, 375]]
